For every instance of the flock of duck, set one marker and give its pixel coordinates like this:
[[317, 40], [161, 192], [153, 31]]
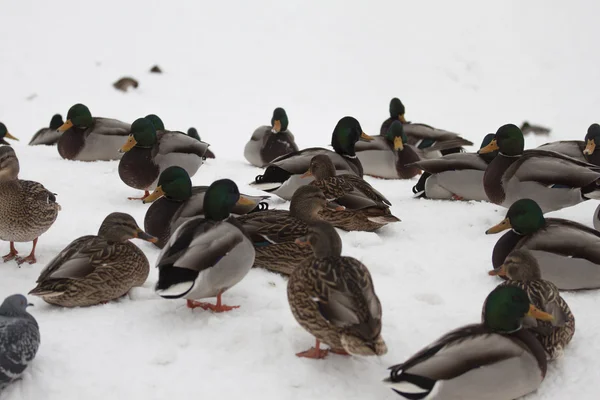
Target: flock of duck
[[211, 236]]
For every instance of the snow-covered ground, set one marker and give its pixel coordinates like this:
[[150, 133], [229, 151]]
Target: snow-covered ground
[[463, 66]]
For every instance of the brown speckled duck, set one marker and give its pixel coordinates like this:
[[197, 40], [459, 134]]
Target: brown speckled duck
[[96, 269], [27, 208], [522, 270], [333, 298]]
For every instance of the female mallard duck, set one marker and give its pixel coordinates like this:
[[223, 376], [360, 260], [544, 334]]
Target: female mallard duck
[[568, 252], [148, 153], [175, 200], [494, 360], [96, 269], [5, 135], [193, 132], [362, 207], [389, 155], [522, 270], [457, 176], [270, 141], [333, 298], [206, 255], [27, 208], [582, 150], [48, 136], [283, 175], [433, 142], [91, 139], [553, 180]]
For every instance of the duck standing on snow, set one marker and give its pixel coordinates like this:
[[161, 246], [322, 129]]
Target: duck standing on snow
[[553, 180], [522, 270], [568, 252], [270, 141], [494, 360], [284, 174], [582, 150], [388, 156], [430, 141], [87, 138], [457, 176], [207, 255], [148, 153], [193, 132], [27, 208], [48, 136], [96, 269], [19, 338], [175, 201], [5, 135], [333, 298]]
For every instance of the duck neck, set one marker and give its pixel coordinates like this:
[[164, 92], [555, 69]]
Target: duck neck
[[492, 178]]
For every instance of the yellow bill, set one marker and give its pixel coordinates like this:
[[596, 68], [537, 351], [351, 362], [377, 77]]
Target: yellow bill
[[129, 144], [66, 126], [492, 146], [502, 226]]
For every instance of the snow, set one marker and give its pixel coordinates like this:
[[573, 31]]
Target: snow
[[464, 66]]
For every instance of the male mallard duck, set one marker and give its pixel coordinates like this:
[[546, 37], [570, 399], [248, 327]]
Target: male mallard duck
[[193, 132], [283, 175], [270, 141], [96, 269], [457, 176], [48, 136], [149, 152], [523, 270], [433, 142], [175, 201], [27, 208], [553, 180], [582, 150], [494, 360], [568, 252], [206, 255], [387, 156], [85, 138], [5, 135], [333, 298]]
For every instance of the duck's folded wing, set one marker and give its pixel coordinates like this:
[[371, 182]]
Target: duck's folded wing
[[571, 148], [551, 168], [274, 226], [359, 184], [298, 162], [452, 162], [172, 143], [378, 143], [426, 132], [77, 260], [111, 127]]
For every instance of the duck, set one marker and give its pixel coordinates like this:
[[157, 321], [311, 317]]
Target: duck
[[333, 298], [388, 156], [356, 205], [87, 138], [27, 208], [456, 176], [553, 180], [493, 360], [193, 132], [148, 153], [207, 255], [274, 232], [48, 136], [568, 252], [270, 141], [96, 269], [522, 270], [283, 175], [4, 134], [582, 150], [175, 200], [433, 142]]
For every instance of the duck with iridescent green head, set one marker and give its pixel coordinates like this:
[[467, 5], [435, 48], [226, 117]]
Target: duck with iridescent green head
[[48, 136], [582, 150], [552, 179], [4, 134], [148, 153], [87, 138], [568, 253], [494, 360], [430, 141], [284, 174], [270, 141]]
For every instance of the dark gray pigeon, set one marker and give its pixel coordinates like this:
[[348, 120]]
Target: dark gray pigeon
[[19, 338]]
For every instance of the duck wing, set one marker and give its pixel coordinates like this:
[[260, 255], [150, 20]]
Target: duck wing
[[109, 127], [452, 162], [78, 259]]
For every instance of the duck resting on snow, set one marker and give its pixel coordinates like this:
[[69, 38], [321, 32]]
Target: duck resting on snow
[[270, 141]]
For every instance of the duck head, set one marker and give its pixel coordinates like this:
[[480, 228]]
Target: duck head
[[591, 139], [397, 110], [78, 116], [323, 239], [519, 265], [395, 134], [5, 135], [156, 121], [143, 134], [524, 217], [345, 135], [220, 198], [279, 120], [509, 141], [173, 183], [120, 227]]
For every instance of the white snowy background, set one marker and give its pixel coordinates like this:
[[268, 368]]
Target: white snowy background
[[465, 66]]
